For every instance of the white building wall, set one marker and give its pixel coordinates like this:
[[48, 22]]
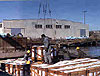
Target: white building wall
[[1, 30], [28, 28]]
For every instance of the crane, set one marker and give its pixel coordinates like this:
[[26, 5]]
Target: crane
[[44, 10], [44, 7]]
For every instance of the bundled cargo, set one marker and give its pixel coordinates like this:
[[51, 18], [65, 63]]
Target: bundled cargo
[[3, 63], [16, 67], [77, 67], [38, 53]]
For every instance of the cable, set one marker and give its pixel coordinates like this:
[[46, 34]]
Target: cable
[[44, 8], [49, 8]]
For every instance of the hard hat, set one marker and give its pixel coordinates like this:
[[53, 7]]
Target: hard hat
[[77, 48], [28, 62], [28, 51]]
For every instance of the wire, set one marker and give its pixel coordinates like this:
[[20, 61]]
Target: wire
[[49, 8], [44, 8]]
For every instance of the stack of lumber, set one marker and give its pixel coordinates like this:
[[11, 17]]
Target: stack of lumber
[[16, 67], [77, 67]]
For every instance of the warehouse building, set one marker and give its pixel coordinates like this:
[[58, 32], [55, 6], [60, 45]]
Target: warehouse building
[[53, 28], [1, 28]]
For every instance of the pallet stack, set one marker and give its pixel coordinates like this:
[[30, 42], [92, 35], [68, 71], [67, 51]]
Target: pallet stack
[[77, 67], [37, 53], [16, 67]]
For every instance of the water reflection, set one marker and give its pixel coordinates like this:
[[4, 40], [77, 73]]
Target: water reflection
[[94, 51], [90, 51]]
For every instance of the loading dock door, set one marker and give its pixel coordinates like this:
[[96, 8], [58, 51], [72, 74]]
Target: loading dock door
[[15, 31], [82, 32]]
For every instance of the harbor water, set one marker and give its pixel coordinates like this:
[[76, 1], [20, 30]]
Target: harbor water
[[93, 51]]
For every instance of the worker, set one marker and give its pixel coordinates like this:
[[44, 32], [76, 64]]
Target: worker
[[67, 55], [54, 55], [81, 54], [47, 47], [27, 55]]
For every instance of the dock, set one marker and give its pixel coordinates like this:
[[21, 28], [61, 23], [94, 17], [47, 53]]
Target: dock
[[76, 67], [37, 67]]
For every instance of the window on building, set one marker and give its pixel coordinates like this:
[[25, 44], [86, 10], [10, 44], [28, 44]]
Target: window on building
[[58, 26], [38, 26], [0, 25], [49, 26], [67, 26]]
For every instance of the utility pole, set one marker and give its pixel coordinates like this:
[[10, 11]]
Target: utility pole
[[84, 15]]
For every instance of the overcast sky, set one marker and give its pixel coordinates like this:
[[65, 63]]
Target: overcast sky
[[61, 9]]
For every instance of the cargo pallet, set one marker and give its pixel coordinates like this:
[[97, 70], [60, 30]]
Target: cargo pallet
[[77, 67], [17, 69]]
